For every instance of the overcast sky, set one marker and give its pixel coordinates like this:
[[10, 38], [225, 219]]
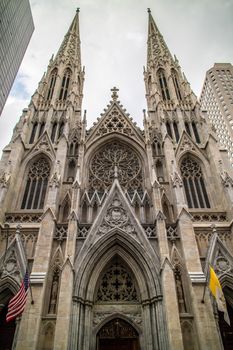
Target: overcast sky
[[113, 46]]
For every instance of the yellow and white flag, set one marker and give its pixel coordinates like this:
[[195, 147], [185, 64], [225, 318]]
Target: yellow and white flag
[[216, 290]]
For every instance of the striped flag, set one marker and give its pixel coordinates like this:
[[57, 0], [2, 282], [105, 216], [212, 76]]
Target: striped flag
[[17, 303]]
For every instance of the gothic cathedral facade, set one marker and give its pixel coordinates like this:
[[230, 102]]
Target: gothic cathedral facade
[[117, 225]]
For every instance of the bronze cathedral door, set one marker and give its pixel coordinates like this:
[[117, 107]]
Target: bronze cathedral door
[[117, 335]]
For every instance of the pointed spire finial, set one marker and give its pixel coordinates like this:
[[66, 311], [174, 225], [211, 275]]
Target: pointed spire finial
[[114, 93], [78, 9], [149, 10]]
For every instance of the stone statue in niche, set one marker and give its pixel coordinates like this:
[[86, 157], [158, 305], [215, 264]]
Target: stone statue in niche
[[180, 292], [54, 293]]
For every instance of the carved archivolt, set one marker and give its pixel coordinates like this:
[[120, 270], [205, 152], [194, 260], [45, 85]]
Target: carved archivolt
[[117, 285], [113, 160]]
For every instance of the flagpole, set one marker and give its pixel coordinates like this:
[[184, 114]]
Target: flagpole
[[207, 276], [18, 228]]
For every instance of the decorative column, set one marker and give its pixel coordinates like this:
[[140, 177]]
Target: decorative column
[[204, 318], [169, 288], [31, 319], [64, 310]]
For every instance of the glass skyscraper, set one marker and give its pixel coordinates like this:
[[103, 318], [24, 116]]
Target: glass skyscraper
[[16, 28]]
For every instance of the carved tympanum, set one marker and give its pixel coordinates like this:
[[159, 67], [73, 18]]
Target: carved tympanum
[[117, 285]]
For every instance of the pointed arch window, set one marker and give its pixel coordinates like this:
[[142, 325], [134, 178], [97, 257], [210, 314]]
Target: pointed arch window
[[156, 148], [65, 85], [163, 85], [61, 128], [52, 83], [36, 185], [42, 126], [176, 131], [33, 134], [169, 130], [195, 131], [71, 170], [176, 85], [187, 128], [54, 131], [194, 184]]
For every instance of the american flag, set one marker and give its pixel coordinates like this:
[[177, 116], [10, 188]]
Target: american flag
[[17, 303]]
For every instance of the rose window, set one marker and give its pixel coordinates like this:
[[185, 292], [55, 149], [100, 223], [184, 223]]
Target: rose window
[[115, 160]]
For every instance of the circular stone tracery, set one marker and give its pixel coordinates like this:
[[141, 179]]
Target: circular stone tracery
[[112, 160]]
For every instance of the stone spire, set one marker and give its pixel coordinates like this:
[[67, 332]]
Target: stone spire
[[157, 50], [69, 51]]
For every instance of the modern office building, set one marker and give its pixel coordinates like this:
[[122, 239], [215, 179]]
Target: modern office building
[[217, 99], [16, 28], [117, 224]]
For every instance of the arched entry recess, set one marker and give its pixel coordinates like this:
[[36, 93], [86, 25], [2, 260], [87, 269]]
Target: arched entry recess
[[226, 330], [7, 330], [89, 266], [117, 334]]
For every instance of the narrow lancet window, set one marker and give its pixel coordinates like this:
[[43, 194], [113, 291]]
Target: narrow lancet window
[[36, 185], [169, 130], [195, 131], [42, 126], [176, 131], [163, 85], [33, 134], [54, 131], [194, 184], [187, 128], [65, 85], [52, 83], [176, 85]]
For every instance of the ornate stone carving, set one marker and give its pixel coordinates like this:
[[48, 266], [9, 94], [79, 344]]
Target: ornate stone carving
[[186, 144], [20, 217], [101, 316], [150, 231], [115, 122], [83, 230], [176, 180], [111, 157], [117, 328], [209, 217], [222, 264], [55, 179], [117, 285], [203, 238], [6, 176], [54, 292], [61, 232], [172, 233], [227, 180], [116, 217], [43, 145], [10, 267]]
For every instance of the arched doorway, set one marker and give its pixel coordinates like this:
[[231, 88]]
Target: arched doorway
[[226, 330], [7, 330], [117, 334]]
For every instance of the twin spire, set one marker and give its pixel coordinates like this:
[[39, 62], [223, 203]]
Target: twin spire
[[70, 51], [157, 50]]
